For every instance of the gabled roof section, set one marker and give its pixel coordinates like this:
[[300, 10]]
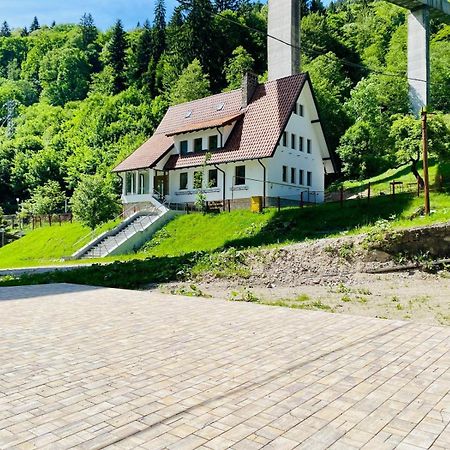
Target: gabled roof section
[[147, 154], [257, 134], [217, 108]]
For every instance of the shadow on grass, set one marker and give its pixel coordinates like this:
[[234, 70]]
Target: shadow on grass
[[126, 275], [296, 225], [288, 225]]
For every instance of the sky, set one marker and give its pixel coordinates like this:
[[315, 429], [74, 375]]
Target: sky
[[20, 13]]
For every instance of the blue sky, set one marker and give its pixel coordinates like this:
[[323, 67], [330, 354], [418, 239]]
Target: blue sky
[[19, 13]]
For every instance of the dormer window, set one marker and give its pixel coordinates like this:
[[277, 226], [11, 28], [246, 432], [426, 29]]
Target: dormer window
[[183, 147], [213, 142], [198, 145]]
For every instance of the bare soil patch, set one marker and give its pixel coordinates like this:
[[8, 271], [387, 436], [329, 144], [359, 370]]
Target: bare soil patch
[[336, 275]]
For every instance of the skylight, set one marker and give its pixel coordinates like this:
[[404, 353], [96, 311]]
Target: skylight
[[220, 106], [188, 114]]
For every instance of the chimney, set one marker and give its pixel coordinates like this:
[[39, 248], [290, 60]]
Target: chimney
[[249, 84], [284, 24]]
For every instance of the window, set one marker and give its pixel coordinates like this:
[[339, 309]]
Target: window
[[300, 144], [308, 178], [198, 145], [285, 139], [212, 142], [144, 187], [293, 141], [183, 180], [129, 182], [183, 147], [198, 180], [308, 146], [284, 175], [300, 110], [293, 175], [295, 109], [212, 178], [300, 177], [239, 175]]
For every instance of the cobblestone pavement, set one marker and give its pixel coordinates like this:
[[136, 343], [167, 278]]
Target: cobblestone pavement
[[92, 368]]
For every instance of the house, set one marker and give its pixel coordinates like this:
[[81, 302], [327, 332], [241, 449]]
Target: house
[[261, 140]]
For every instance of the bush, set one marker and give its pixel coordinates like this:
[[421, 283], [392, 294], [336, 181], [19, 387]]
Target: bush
[[94, 202]]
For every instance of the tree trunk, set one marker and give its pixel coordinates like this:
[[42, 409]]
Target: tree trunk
[[416, 173]]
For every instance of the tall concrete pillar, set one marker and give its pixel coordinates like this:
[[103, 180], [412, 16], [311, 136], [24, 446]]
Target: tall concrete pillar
[[419, 58], [284, 24]]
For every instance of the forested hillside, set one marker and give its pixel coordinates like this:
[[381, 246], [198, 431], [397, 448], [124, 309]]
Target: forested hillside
[[76, 100]]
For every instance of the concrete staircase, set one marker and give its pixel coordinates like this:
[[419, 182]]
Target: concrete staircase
[[128, 236]]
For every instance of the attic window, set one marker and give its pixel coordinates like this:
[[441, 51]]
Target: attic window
[[220, 106], [188, 114]]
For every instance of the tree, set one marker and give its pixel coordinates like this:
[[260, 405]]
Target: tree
[[34, 25], [115, 55], [159, 31], [93, 201], [406, 132], [223, 5], [240, 63], [64, 75], [89, 31], [5, 30], [139, 58], [46, 199], [191, 85]]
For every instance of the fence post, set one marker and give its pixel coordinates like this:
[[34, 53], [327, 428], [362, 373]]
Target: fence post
[[393, 188], [301, 199], [278, 203], [418, 188], [50, 219], [342, 196], [229, 205], [40, 221], [368, 192]]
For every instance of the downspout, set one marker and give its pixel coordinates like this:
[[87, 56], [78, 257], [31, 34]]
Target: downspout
[[264, 182], [221, 137], [223, 193]]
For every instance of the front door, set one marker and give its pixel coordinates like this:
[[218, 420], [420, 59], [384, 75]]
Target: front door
[[161, 184]]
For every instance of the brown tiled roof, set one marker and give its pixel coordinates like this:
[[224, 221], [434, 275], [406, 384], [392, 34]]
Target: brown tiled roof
[[147, 154], [219, 122], [255, 135], [258, 133]]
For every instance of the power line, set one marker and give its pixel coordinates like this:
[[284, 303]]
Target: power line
[[299, 48]]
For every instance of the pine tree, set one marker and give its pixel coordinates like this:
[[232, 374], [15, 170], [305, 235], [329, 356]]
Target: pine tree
[[34, 25], [89, 31], [24, 32], [317, 6], [115, 56], [141, 55], [5, 30], [53, 25], [222, 5], [159, 30]]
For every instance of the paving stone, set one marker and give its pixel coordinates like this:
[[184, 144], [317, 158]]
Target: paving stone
[[84, 367]]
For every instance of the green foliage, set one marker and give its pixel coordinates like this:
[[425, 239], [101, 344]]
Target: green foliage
[[191, 85], [64, 75], [241, 63], [114, 55], [93, 201], [46, 199]]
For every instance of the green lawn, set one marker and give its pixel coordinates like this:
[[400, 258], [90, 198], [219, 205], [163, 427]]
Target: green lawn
[[380, 183], [47, 245], [193, 233]]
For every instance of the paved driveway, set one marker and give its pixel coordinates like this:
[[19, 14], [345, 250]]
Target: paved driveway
[[91, 367]]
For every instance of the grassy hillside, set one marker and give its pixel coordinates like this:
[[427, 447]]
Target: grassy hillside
[[380, 183], [47, 245]]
